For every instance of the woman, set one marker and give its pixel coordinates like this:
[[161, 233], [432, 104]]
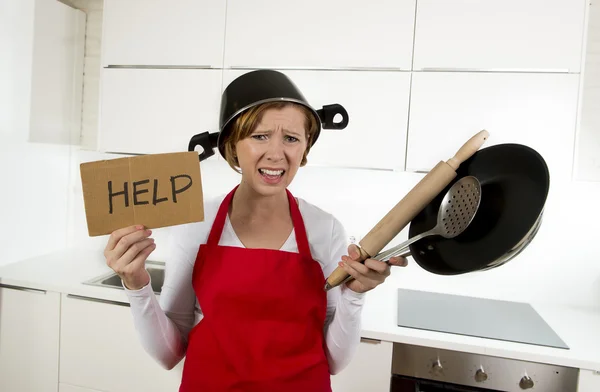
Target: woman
[[243, 296]]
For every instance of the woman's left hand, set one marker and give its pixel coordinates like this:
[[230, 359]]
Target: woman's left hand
[[369, 274]]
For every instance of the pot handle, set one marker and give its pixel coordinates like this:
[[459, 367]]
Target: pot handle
[[328, 112], [208, 142]]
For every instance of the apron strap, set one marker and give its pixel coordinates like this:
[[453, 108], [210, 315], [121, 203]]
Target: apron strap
[[301, 238], [219, 223], [297, 221]]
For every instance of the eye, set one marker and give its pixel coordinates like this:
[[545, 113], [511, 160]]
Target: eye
[[291, 139], [259, 137]]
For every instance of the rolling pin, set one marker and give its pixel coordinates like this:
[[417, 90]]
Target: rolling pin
[[414, 202]]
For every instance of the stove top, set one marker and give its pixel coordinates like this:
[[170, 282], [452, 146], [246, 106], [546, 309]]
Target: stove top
[[479, 317]]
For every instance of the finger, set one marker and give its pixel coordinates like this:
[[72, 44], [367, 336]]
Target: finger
[[132, 253], [398, 261], [141, 257], [357, 265], [377, 265], [126, 242], [353, 252], [351, 271], [368, 281], [116, 236]]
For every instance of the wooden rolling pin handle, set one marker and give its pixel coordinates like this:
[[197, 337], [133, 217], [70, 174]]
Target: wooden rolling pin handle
[[468, 149], [339, 274]]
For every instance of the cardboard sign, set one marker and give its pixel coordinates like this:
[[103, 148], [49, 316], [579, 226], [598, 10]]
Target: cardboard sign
[[155, 190]]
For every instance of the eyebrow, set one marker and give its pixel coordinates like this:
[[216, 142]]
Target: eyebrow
[[295, 133]]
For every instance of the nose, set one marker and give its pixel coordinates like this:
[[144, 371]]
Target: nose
[[275, 150]]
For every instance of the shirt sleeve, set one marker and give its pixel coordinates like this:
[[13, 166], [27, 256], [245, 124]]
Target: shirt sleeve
[[344, 307], [163, 325]]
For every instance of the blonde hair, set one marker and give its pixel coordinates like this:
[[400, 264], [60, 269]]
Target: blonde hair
[[246, 123]]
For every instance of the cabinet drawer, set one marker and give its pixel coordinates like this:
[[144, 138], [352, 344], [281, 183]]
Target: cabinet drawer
[[100, 349], [537, 110], [492, 35], [320, 34], [163, 33], [146, 111], [29, 339], [370, 369], [73, 388]]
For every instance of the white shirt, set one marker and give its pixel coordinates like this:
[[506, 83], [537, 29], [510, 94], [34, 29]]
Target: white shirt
[[164, 326]]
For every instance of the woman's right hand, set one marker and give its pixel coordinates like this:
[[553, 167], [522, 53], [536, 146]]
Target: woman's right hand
[[126, 253]]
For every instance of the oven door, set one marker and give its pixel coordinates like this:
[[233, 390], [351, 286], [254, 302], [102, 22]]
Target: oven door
[[409, 384]]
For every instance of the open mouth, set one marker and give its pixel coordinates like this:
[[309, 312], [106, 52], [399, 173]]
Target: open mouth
[[271, 175]]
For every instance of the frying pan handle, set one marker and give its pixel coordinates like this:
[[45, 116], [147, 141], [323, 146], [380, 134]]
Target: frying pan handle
[[208, 141], [384, 259], [328, 112], [468, 149]]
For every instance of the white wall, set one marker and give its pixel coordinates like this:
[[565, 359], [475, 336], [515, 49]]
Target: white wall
[[562, 265], [34, 177]]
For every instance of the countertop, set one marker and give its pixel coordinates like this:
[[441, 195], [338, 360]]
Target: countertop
[[64, 272]]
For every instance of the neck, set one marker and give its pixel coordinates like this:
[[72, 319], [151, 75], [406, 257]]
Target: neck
[[249, 204]]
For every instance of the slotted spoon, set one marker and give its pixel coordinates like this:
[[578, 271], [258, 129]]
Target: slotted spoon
[[457, 210]]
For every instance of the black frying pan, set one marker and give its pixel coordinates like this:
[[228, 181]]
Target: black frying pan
[[514, 186]]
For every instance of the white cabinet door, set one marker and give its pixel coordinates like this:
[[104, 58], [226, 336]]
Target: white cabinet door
[[537, 110], [163, 32], [589, 381], [320, 34], [56, 73], [29, 340], [499, 34], [157, 110], [587, 164], [100, 349], [377, 106], [370, 370], [73, 388]]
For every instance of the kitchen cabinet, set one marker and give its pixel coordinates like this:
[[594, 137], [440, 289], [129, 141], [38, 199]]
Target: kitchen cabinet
[[587, 163], [370, 369], [589, 381], [56, 73], [72, 388], [186, 33], [377, 106], [319, 34], [534, 35], [147, 111], [537, 110], [100, 349], [29, 345]]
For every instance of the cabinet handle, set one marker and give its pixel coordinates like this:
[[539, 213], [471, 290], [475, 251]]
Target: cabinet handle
[[20, 288], [324, 68], [494, 70], [92, 299], [371, 341], [161, 66]]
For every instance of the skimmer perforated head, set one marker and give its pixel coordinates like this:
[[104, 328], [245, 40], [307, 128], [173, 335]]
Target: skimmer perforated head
[[459, 206]]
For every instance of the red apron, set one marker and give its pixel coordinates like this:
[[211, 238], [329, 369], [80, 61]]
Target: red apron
[[264, 313]]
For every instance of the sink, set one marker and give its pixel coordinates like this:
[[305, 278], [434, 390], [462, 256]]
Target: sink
[[156, 270]]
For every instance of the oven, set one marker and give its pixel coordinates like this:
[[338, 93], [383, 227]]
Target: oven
[[426, 369]]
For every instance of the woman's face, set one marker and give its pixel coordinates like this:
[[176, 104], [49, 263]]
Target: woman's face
[[270, 157]]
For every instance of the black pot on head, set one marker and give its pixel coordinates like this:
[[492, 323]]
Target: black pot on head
[[255, 88]]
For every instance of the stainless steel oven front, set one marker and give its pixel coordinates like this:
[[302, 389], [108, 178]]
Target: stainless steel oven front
[[426, 369]]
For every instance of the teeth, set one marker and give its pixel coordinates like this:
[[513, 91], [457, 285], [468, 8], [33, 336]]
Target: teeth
[[271, 172]]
